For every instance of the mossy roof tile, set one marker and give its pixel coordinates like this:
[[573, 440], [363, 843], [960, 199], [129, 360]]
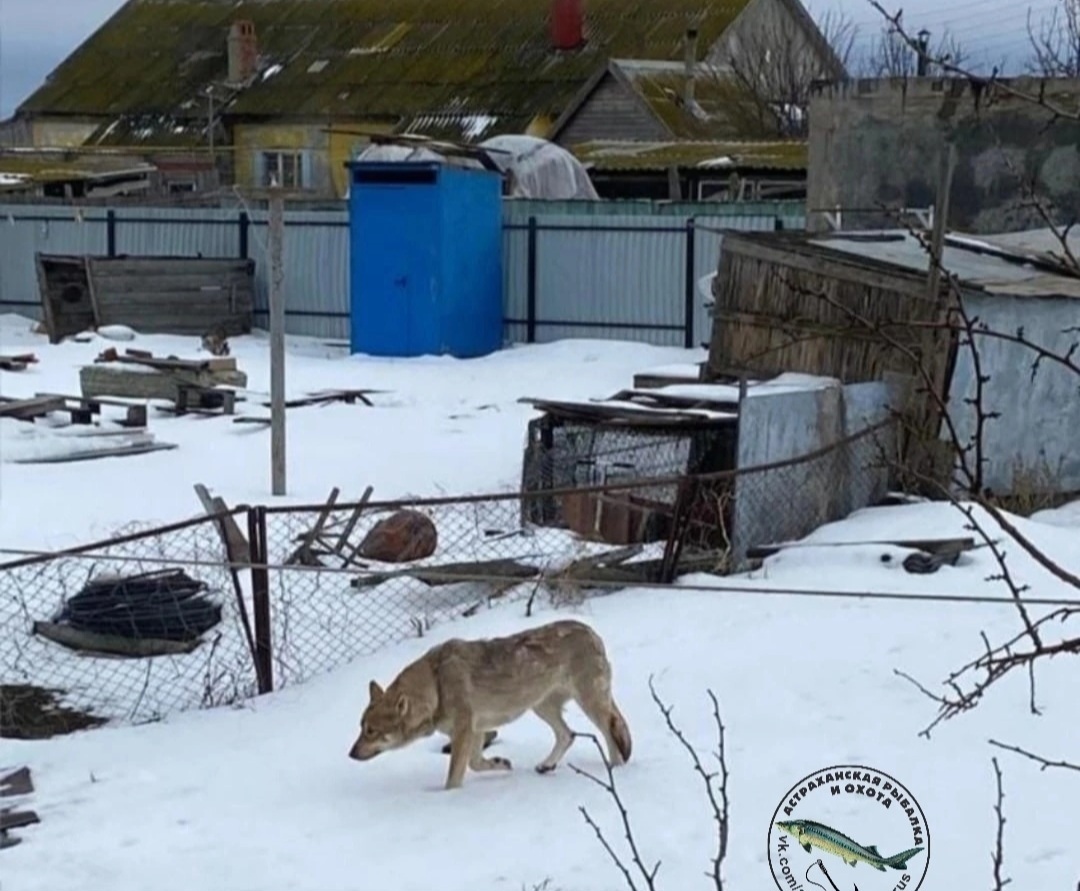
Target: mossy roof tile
[[364, 58], [614, 155]]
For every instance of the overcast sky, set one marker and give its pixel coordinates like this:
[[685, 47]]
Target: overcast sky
[[36, 35]]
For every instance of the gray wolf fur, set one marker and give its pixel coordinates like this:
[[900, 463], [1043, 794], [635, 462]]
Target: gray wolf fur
[[467, 688]]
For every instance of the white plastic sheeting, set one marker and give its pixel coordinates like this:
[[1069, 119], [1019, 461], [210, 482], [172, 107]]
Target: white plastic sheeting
[[536, 168], [540, 169]]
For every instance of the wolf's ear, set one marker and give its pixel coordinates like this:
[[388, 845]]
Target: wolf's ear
[[403, 705], [374, 691]]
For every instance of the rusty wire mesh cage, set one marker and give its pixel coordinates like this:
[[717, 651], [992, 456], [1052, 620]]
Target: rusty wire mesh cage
[[148, 624]]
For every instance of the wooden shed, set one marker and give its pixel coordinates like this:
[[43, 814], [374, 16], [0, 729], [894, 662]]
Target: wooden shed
[[154, 295], [861, 307]]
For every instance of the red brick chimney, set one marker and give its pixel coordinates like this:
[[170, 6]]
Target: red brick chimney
[[567, 24], [243, 51]]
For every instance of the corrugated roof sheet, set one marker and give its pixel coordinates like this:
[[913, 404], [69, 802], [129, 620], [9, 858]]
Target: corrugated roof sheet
[[994, 274], [368, 59], [60, 166], [743, 155]]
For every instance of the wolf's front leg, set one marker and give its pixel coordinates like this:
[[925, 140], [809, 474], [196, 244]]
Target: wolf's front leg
[[479, 763], [463, 742]]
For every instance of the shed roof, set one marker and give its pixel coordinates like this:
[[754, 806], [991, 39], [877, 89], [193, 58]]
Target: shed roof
[[366, 59], [19, 167], [720, 157], [995, 273]]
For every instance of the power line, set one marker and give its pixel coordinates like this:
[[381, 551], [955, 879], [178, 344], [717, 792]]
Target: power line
[[576, 581]]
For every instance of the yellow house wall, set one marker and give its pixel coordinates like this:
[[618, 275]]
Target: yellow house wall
[[47, 133], [329, 150]]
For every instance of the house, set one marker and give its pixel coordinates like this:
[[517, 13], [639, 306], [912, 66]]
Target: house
[[688, 133], [895, 130], [860, 307], [286, 90]]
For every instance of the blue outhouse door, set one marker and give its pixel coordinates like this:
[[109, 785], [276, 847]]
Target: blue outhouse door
[[395, 277], [426, 259]]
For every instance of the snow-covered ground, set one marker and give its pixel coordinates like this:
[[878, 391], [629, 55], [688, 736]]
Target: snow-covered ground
[[445, 427], [262, 796]]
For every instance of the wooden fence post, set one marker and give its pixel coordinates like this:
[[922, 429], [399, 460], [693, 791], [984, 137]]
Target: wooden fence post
[[260, 600]]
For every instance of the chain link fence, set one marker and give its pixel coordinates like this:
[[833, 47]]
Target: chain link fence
[[170, 619], [348, 579], [132, 629]]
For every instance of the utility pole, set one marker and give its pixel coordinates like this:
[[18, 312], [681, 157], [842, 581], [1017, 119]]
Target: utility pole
[[275, 246], [941, 221]]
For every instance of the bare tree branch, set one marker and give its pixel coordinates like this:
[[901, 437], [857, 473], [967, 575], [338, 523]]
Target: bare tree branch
[[719, 806], [1055, 42], [1043, 763], [775, 67], [999, 845], [1056, 109], [890, 54], [607, 783]]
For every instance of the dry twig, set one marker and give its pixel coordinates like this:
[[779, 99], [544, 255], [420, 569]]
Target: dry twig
[[719, 806]]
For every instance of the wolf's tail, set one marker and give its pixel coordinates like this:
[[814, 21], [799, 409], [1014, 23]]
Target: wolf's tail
[[899, 861], [620, 732]]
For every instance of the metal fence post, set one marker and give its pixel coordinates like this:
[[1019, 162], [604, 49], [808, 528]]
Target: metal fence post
[[110, 233], [243, 234], [530, 309], [690, 284], [260, 599]]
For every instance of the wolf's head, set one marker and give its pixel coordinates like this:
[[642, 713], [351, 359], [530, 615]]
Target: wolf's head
[[385, 724]]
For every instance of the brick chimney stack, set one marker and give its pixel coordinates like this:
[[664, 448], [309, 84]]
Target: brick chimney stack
[[243, 51], [567, 24]]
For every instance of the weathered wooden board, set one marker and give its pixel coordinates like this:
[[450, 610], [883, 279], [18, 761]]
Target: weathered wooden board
[[65, 295], [140, 382], [154, 295]]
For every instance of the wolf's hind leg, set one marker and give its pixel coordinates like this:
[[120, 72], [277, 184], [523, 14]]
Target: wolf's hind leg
[[550, 712]]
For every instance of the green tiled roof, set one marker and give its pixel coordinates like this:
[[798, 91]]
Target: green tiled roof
[[370, 59], [611, 155]]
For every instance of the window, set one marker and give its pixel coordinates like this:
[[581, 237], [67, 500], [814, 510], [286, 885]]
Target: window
[[285, 167]]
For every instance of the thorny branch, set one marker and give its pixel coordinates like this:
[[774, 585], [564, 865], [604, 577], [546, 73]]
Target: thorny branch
[[1043, 763], [608, 784], [719, 807], [993, 665], [717, 793], [999, 844]]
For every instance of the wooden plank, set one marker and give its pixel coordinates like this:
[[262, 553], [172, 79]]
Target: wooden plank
[[312, 535], [24, 409], [236, 544], [128, 265], [823, 261], [113, 452], [113, 644], [16, 783], [938, 546], [347, 532], [12, 819]]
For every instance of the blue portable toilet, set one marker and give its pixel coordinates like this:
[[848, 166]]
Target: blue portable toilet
[[425, 257]]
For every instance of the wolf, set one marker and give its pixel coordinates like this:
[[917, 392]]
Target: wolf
[[467, 688]]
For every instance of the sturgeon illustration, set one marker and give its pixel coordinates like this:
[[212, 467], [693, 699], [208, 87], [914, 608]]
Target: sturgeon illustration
[[810, 833]]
